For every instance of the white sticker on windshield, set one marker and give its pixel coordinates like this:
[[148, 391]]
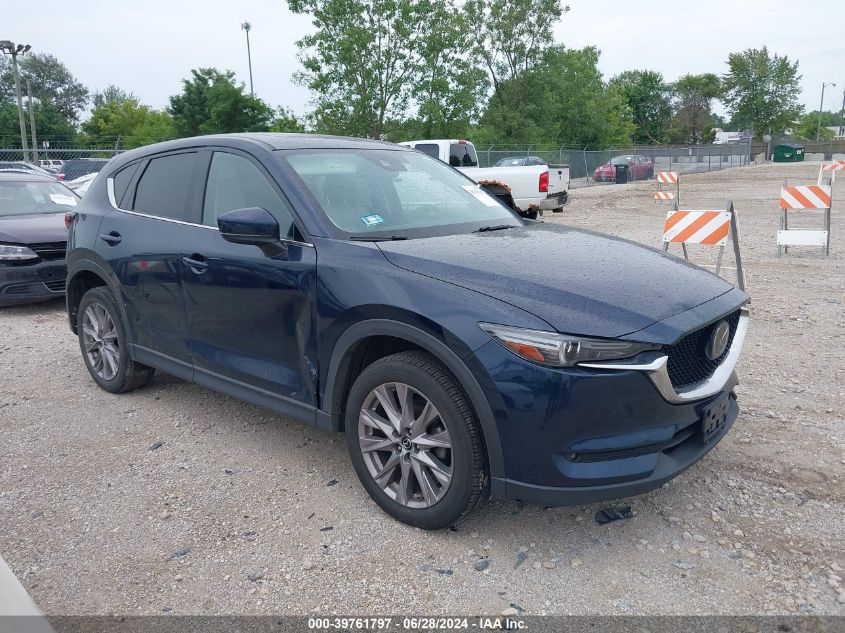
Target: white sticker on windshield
[[479, 194], [63, 199]]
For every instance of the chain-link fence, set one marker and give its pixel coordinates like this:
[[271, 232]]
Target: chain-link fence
[[589, 167], [65, 163]]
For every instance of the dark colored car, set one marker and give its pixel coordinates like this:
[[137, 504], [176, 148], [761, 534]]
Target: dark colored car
[[520, 161], [32, 237], [639, 168], [367, 288], [73, 168]]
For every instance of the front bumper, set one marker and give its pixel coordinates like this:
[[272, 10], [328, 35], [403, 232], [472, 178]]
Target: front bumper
[[30, 283], [579, 435]]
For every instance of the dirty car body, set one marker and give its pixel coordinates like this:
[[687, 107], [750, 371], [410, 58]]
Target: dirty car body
[[602, 370]]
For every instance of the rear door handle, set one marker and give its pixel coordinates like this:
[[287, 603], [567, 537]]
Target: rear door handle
[[112, 239], [196, 263]]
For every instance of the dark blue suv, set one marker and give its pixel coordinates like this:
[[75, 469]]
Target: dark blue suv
[[367, 288]]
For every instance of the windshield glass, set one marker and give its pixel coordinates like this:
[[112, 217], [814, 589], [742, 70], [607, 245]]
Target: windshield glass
[[393, 193], [24, 198], [511, 162], [621, 160]]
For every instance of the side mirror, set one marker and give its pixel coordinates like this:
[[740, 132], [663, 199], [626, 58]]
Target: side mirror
[[252, 225]]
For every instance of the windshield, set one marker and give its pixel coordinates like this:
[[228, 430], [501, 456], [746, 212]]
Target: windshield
[[621, 160], [25, 198], [511, 162], [394, 193]]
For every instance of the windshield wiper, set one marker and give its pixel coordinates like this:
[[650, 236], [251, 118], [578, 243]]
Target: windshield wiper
[[377, 238], [497, 227]]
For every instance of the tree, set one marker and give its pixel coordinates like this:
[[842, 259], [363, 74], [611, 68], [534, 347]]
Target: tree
[[561, 99], [110, 94], [212, 103], [51, 81], [763, 90], [366, 59], [129, 122], [649, 99], [693, 121], [510, 36], [286, 121], [808, 125], [50, 125]]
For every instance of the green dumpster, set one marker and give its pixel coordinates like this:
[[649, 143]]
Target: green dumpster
[[788, 153]]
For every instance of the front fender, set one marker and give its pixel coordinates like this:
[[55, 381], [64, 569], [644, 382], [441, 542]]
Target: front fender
[[338, 364]]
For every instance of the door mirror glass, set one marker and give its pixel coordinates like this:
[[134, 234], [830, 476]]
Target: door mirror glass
[[252, 225]]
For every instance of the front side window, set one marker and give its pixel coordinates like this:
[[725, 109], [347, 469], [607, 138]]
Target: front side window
[[27, 198], [165, 186], [394, 193], [234, 182]]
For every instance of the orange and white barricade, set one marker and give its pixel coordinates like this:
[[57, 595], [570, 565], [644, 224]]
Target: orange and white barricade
[[827, 172], [666, 182], [707, 228], [803, 198]]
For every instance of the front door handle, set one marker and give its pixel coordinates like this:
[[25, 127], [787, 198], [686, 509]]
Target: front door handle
[[112, 239], [196, 263]]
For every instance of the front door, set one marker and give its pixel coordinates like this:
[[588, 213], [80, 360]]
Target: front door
[[250, 314]]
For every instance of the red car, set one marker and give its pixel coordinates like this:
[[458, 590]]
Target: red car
[[639, 168]]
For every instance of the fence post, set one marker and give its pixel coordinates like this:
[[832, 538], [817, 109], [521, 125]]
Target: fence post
[[586, 169]]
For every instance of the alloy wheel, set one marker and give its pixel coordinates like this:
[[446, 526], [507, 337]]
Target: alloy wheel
[[99, 338], [406, 446]]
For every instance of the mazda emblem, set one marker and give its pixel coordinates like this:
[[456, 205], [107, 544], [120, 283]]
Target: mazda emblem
[[718, 341]]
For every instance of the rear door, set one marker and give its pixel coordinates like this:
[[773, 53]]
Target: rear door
[[250, 313], [156, 215]]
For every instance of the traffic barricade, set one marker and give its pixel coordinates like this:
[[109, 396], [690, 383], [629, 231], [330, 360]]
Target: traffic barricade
[[804, 198], [668, 186]]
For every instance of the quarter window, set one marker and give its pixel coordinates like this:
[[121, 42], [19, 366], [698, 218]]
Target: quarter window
[[234, 182], [164, 189], [121, 182]]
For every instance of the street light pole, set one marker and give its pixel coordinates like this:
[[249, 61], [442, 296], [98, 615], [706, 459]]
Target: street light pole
[[821, 106], [246, 26], [32, 122], [9, 48]]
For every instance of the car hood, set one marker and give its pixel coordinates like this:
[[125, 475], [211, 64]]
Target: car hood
[[579, 282], [33, 229]]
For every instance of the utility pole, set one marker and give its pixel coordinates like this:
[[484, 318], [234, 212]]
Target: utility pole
[[32, 122], [9, 48], [821, 107], [842, 116], [246, 26]]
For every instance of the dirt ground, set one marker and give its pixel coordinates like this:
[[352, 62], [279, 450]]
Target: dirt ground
[[174, 499]]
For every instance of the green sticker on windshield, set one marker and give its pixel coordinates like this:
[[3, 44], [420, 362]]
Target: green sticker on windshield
[[372, 220]]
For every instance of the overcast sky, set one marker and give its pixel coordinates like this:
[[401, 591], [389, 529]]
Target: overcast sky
[[147, 47]]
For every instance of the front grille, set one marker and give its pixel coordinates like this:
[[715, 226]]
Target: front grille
[[50, 250], [688, 364]]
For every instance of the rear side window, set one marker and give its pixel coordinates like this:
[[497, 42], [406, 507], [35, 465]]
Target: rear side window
[[121, 182], [234, 182], [428, 148], [164, 189], [462, 155]]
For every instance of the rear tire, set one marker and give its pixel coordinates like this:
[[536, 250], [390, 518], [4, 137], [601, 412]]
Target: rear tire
[[102, 340], [415, 442]]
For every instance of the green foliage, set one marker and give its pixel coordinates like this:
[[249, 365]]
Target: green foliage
[[649, 100], [368, 59], [762, 90], [125, 119], [286, 121], [693, 122], [50, 125], [111, 94], [561, 99], [212, 103], [808, 125], [51, 81]]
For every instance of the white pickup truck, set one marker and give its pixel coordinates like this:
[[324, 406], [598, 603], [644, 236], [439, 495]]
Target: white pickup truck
[[529, 190]]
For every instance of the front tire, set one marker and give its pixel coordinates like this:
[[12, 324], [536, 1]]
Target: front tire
[[415, 442], [102, 340]]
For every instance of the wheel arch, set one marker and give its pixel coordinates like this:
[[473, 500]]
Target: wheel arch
[[87, 275], [342, 366]]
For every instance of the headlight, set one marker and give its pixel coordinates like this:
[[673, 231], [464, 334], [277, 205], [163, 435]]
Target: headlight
[[11, 253], [562, 350]]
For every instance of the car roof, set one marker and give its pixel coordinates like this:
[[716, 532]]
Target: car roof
[[23, 175], [266, 140]]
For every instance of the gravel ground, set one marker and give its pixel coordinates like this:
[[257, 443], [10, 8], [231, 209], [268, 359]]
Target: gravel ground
[[175, 499]]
